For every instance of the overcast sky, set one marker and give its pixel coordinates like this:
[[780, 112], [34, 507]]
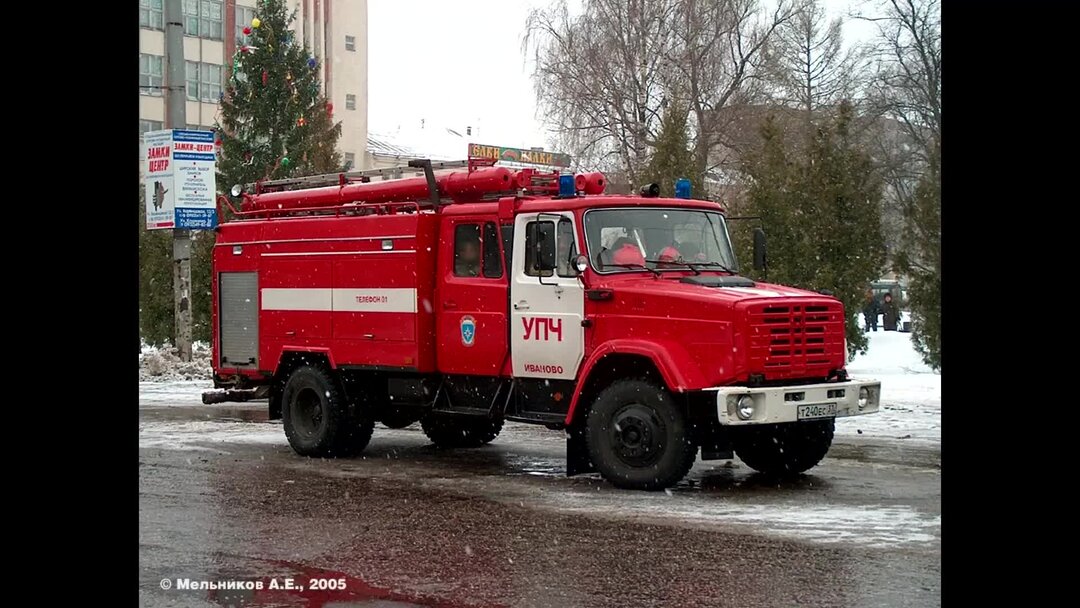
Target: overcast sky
[[459, 63]]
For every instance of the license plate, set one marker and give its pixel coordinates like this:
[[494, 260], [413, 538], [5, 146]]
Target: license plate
[[824, 410]]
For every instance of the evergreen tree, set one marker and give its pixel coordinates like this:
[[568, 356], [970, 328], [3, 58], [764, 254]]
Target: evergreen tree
[[672, 157], [155, 281], [274, 123], [923, 233], [274, 120], [822, 214]]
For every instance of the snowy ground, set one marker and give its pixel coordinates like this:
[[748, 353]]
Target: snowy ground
[[911, 392]]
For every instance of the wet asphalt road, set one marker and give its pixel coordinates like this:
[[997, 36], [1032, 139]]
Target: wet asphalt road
[[223, 498]]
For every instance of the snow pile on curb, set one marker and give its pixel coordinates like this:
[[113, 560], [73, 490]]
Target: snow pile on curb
[[162, 364]]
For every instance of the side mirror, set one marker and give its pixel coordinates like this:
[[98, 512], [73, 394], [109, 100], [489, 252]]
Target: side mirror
[[759, 249]]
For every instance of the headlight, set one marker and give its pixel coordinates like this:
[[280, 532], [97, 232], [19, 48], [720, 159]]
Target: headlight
[[864, 397], [744, 407]]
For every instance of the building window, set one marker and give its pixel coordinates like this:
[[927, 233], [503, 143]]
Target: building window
[[192, 80], [149, 125], [202, 18], [203, 82], [244, 15], [350, 161], [350, 43], [151, 15], [210, 83], [350, 102], [150, 74]]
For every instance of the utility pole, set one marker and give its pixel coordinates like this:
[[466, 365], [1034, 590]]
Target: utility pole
[[176, 118]]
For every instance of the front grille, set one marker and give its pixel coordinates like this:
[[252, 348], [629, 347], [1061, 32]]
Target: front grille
[[795, 340]]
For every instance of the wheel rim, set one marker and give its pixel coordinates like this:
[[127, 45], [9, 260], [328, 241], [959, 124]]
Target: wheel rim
[[307, 412], [637, 435]]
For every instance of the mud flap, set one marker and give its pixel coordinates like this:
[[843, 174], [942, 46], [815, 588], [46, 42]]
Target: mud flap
[[714, 441], [577, 454]]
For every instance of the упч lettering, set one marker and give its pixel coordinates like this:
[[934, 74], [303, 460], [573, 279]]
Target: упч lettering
[[535, 327]]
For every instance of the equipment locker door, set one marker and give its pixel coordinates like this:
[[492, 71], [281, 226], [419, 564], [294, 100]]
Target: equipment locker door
[[546, 306]]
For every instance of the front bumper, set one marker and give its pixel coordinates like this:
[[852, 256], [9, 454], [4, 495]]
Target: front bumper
[[777, 404]]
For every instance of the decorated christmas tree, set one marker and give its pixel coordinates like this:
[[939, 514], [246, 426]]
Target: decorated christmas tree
[[274, 120]]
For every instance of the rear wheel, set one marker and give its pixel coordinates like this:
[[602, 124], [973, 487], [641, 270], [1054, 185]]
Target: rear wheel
[[318, 418], [638, 438], [448, 431], [784, 449]]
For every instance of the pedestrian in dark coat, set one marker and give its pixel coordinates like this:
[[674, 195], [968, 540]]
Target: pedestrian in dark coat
[[890, 313], [870, 311]]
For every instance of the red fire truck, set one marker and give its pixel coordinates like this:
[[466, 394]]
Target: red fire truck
[[467, 298]]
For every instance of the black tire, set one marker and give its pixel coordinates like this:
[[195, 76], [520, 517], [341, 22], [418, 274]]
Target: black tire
[[399, 418], [318, 418], [784, 449], [448, 431], [638, 438]]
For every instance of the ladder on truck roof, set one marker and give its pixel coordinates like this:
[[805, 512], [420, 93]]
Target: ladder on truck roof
[[347, 177]]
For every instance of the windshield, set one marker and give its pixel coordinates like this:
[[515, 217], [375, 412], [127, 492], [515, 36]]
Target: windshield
[[631, 240]]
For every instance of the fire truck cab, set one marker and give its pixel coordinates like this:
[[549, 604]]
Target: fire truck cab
[[462, 300]]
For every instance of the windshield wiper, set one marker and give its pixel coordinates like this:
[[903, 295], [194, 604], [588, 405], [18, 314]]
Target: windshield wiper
[[710, 264], [655, 272], [687, 264]]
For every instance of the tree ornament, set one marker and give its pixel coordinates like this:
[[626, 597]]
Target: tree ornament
[[247, 30], [288, 76], [311, 63], [255, 23], [301, 121], [266, 77], [285, 161], [329, 109]]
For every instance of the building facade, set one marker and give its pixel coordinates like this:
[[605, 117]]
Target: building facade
[[334, 30]]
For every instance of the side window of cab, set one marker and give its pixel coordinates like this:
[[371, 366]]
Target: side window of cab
[[476, 251]]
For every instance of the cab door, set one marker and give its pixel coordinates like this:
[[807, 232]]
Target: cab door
[[547, 300], [471, 298]]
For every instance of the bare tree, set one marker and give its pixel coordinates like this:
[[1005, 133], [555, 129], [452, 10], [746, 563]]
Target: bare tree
[[809, 65], [908, 94], [599, 77], [908, 84], [718, 59]]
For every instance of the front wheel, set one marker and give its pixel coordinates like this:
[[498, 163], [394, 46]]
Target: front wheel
[[638, 438], [784, 449]]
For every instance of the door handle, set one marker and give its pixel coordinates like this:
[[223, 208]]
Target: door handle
[[522, 305], [290, 333], [449, 305]]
